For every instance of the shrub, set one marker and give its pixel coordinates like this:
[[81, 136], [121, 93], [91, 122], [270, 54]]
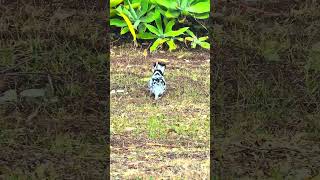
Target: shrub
[[156, 19]]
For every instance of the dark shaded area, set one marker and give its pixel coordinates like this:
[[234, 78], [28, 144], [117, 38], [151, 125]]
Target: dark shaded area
[[265, 89], [60, 48]]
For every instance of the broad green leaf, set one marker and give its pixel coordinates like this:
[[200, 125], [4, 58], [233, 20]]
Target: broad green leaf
[[183, 4], [150, 17], [205, 45], [179, 39], [202, 16], [189, 38], [167, 3], [171, 14], [142, 28], [130, 26], [136, 24], [191, 33], [117, 22], [157, 43], [169, 26], [127, 13], [201, 7], [159, 25], [153, 1], [114, 3], [146, 35], [165, 20], [113, 12], [132, 11], [144, 8], [203, 38], [171, 44], [153, 29], [133, 5], [176, 33], [124, 30]]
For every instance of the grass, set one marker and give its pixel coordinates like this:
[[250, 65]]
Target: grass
[[60, 48], [164, 139], [266, 95]]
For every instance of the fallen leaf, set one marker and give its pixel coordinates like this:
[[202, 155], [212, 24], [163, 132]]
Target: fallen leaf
[[33, 93], [10, 95]]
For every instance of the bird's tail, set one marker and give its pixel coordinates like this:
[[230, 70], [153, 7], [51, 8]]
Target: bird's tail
[[156, 96]]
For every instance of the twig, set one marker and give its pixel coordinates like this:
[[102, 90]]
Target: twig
[[34, 113], [51, 84], [161, 145]]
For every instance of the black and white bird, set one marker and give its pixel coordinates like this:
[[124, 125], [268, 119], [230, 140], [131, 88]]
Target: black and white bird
[[157, 83]]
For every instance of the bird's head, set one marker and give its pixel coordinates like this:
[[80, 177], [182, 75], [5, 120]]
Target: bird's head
[[159, 66]]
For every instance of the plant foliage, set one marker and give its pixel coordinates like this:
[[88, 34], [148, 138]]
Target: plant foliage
[[163, 21]]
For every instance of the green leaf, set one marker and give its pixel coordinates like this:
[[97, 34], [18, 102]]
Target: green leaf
[[114, 3], [159, 25], [201, 7], [171, 44], [176, 33], [191, 33], [205, 45], [142, 28], [136, 24], [202, 16], [152, 29], [189, 38], [132, 11], [193, 45], [146, 35], [203, 38], [179, 39], [130, 26], [167, 3], [183, 4], [169, 26], [127, 13], [150, 17], [117, 22], [124, 30], [171, 14], [157, 43], [144, 8]]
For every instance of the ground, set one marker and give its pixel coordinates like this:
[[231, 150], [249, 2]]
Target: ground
[[62, 134], [168, 138], [266, 89]]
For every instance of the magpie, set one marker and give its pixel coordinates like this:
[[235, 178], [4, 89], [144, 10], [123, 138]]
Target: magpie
[[157, 83]]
